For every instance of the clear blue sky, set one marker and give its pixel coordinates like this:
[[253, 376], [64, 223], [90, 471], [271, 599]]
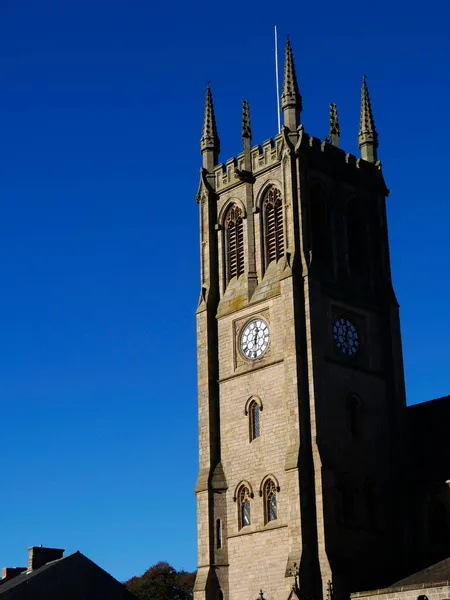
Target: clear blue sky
[[101, 108]]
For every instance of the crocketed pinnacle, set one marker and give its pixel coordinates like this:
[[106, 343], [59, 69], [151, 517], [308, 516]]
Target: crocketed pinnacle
[[367, 131], [246, 127], [291, 95], [335, 130], [210, 138]]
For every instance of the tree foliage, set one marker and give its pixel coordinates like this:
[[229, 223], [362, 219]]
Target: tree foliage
[[162, 582]]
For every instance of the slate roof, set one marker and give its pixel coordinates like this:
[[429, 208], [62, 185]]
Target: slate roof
[[67, 574], [438, 573], [430, 451], [7, 584]]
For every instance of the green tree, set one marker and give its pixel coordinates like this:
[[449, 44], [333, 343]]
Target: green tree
[[162, 582]]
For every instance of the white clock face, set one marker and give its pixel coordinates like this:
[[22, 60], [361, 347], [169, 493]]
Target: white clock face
[[255, 339], [345, 336]]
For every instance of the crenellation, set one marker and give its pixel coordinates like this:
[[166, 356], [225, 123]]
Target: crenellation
[[314, 142]]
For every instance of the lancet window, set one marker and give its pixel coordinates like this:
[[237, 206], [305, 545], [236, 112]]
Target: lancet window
[[320, 226], [234, 242], [254, 420], [244, 507], [357, 248], [270, 500], [273, 225], [353, 415]]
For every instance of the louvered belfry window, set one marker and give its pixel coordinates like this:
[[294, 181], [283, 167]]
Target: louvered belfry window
[[273, 222], [234, 234]]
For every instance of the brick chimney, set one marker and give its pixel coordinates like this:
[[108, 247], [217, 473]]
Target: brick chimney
[[10, 572], [39, 556]]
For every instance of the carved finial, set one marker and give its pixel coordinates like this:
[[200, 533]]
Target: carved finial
[[335, 130], [246, 127], [260, 595], [367, 137], [209, 143], [291, 100], [295, 572]]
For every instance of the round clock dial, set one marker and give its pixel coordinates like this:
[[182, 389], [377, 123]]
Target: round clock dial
[[255, 339], [345, 336]]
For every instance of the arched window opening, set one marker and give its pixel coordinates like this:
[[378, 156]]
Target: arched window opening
[[234, 241], [348, 503], [244, 507], [354, 416], [372, 505], [320, 226], [270, 501], [273, 225], [255, 422], [356, 237], [218, 534]]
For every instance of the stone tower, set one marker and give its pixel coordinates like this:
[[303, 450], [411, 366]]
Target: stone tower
[[300, 374]]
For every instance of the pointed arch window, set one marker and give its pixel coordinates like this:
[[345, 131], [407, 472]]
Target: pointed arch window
[[348, 503], [320, 226], [243, 499], [354, 416], [371, 504], [357, 249], [270, 501], [254, 413], [234, 242], [273, 225]]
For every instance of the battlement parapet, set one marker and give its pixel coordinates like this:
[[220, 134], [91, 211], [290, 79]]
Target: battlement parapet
[[327, 157], [262, 157], [336, 162]]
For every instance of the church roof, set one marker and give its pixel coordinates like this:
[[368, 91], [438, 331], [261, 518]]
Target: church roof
[[428, 427], [438, 573]]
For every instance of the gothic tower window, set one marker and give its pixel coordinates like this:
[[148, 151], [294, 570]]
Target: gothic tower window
[[356, 237], [243, 500], [273, 225], [320, 226], [371, 504], [234, 242], [348, 501], [270, 501], [254, 420], [354, 415]]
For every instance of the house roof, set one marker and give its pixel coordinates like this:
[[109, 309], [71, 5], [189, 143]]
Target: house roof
[[27, 575], [64, 567]]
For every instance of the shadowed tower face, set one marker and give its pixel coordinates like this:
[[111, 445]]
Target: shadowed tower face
[[300, 375]]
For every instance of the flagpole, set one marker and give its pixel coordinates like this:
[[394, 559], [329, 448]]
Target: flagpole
[[277, 80]]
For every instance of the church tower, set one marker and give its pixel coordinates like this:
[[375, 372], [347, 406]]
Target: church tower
[[301, 393]]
